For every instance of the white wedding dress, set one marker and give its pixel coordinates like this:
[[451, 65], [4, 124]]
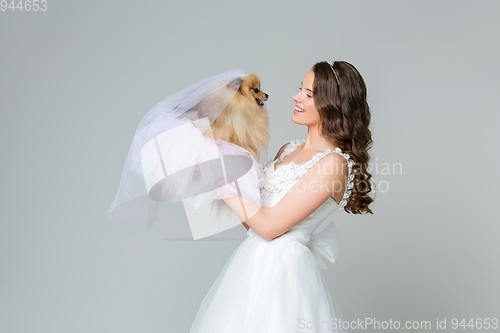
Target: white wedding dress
[[278, 286]]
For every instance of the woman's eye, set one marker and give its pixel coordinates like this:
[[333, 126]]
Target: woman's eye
[[300, 88]]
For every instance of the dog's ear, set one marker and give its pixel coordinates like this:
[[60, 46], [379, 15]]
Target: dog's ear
[[235, 84], [254, 80]]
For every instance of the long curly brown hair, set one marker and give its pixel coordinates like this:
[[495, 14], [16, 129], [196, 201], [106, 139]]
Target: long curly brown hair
[[344, 120]]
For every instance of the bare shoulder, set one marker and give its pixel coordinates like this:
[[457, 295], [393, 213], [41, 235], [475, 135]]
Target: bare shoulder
[[335, 161], [332, 168], [333, 171], [332, 160]]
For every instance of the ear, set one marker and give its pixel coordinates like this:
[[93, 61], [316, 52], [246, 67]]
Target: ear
[[255, 80], [236, 83]]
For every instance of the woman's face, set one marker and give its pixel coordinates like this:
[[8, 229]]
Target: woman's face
[[304, 102]]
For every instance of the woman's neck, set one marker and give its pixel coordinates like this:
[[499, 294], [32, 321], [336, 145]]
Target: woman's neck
[[315, 141]]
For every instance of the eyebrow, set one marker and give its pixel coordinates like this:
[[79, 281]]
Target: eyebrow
[[306, 88]]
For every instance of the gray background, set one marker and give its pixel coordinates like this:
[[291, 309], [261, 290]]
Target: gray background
[[76, 80]]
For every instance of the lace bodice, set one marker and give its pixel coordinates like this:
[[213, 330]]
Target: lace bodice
[[278, 182], [287, 174]]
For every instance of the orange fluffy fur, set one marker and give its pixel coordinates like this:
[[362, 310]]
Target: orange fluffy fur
[[243, 122]]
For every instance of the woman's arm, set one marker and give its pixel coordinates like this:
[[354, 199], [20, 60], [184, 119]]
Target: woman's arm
[[280, 151], [325, 178]]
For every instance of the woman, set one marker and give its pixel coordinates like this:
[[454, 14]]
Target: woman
[[274, 282]]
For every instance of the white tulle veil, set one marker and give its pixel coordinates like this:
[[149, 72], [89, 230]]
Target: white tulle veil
[[173, 158]]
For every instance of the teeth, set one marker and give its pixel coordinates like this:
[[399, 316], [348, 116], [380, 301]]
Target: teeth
[[297, 109]]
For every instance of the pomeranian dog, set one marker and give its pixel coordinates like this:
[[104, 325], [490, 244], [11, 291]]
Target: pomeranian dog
[[244, 121]]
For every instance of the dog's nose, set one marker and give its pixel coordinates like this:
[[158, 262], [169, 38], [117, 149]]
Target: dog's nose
[[267, 96]]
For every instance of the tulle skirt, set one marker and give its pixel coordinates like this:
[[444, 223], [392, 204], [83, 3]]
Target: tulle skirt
[[269, 286]]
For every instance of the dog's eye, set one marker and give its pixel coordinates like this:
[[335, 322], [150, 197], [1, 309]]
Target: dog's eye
[[256, 90]]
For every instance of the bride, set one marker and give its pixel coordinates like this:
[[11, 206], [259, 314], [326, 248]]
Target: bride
[[274, 282]]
